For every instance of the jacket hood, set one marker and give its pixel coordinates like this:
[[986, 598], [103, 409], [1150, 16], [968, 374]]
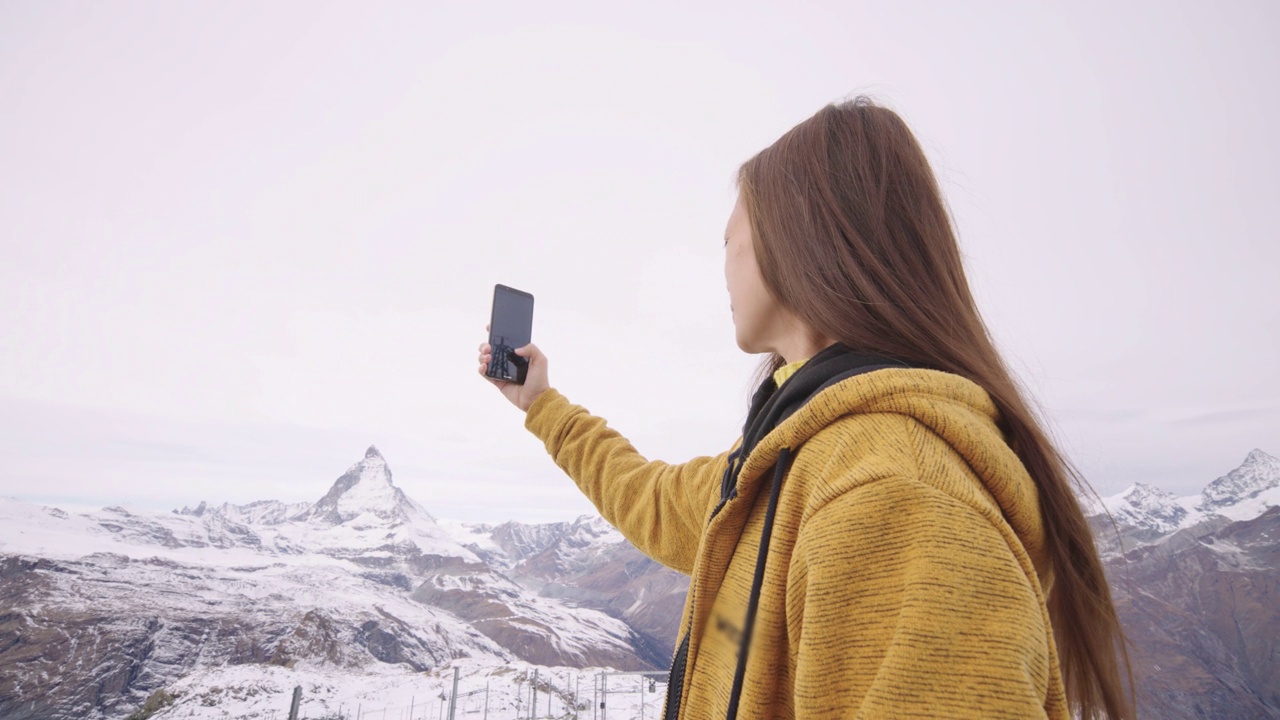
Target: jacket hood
[[954, 408]]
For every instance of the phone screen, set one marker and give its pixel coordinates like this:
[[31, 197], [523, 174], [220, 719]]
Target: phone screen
[[510, 327]]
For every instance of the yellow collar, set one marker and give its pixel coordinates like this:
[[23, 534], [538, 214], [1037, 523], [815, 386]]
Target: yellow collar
[[781, 374]]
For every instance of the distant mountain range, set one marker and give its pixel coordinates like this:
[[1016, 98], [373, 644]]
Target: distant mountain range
[[101, 610], [364, 594], [1147, 513], [1197, 583]]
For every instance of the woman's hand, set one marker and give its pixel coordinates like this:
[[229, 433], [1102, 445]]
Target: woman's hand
[[535, 378]]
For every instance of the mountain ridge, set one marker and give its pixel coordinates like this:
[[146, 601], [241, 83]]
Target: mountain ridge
[[365, 583], [362, 578], [1150, 512]]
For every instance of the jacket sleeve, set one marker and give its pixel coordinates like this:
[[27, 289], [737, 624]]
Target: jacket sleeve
[[905, 602], [661, 508]]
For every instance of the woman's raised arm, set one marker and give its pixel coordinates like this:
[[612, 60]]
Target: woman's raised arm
[[661, 508]]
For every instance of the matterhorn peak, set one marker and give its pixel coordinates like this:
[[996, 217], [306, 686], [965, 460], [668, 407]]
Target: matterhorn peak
[[364, 489]]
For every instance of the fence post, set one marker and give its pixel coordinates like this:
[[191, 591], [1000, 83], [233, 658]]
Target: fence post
[[297, 700], [453, 696]]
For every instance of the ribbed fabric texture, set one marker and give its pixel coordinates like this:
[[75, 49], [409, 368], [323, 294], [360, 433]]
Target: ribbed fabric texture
[[906, 573]]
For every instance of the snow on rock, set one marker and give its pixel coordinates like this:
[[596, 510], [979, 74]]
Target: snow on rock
[[1147, 507], [1257, 476], [120, 603], [366, 488], [365, 600], [1147, 513]]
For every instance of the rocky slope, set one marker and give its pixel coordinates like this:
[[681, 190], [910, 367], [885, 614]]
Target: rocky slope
[[98, 611], [1202, 613], [588, 563], [1197, 584]]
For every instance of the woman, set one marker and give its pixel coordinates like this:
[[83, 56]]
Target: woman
[[893, 535]]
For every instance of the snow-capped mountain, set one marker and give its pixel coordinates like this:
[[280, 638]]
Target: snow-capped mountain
[[1245, 492], [588, 563], [1145, 514], [1194, 581], [111, 606], [1147, 507], [512, 543], [365, 495], [366, 600]]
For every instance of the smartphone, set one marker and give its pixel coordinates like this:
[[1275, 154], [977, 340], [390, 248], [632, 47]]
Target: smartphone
[[510, 327]]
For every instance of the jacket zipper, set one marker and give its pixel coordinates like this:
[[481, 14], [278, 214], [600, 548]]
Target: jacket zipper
[[675, 679]]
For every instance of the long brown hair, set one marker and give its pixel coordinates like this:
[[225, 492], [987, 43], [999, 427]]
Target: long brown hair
[[852, 235]]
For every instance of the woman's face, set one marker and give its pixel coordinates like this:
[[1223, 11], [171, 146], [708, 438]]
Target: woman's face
[[757, 318]]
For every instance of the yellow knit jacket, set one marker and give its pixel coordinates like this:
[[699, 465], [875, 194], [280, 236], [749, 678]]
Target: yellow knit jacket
[[906, 575]]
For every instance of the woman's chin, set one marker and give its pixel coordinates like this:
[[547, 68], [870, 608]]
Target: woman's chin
[[748, 345]]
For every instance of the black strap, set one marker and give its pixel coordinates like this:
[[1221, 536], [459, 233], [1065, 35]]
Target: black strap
[[780, 470]]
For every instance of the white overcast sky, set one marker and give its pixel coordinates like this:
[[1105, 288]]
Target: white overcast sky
[[242, 241]]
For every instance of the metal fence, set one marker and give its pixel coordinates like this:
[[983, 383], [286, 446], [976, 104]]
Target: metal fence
[[539, 695]]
